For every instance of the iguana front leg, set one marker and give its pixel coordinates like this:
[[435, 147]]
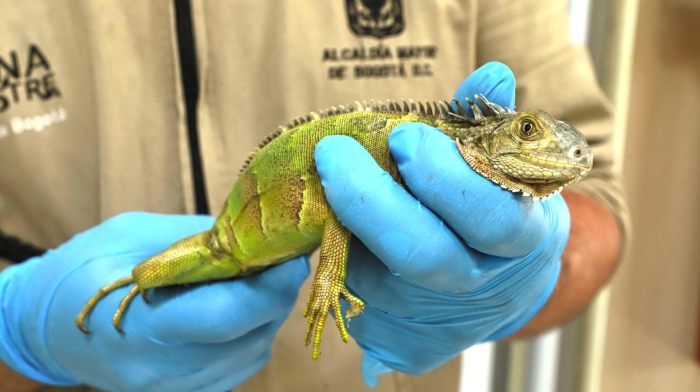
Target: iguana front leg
[[329, 285]]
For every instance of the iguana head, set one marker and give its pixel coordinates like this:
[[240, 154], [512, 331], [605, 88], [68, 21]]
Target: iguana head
[[528, 151]]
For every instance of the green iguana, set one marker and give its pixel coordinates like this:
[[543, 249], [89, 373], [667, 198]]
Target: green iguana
[[277, 209]]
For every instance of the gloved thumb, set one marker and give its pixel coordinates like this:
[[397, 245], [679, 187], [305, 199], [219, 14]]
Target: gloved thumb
[[372, 369]]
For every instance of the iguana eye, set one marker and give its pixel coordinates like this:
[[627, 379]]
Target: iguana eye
[[527, 129]]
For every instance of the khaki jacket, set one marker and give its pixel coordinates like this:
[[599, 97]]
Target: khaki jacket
[[93, 120]]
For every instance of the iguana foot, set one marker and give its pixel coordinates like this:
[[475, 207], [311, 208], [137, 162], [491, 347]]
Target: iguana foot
[[101, 293], [325, 294]]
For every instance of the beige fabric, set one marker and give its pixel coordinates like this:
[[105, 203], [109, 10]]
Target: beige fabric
[[117, 139], [118, 148]]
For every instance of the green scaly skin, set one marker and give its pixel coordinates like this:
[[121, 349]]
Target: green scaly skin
[[277, 210]]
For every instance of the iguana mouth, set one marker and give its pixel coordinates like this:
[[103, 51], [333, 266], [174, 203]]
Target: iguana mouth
[[516, 174]]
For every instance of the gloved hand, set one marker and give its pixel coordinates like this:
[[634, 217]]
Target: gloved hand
[[458, 259], [204, 337]]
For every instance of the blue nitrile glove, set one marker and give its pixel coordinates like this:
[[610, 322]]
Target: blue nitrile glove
[[458, 259], [203, 337]]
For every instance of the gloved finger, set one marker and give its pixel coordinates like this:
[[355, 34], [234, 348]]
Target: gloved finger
[[230, 363], [370, 280], [229, 379], [494, 80], [189, 366], [227, 364], [488, 218], [409, 238], [372, 369], [223, 311]]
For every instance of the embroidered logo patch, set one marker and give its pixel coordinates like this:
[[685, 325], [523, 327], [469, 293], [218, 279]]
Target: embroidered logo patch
[[376, 18]]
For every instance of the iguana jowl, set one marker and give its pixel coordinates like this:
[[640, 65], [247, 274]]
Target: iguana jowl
[[277, 209]]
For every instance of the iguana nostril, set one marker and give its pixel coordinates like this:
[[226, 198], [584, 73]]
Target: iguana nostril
[[583, 157]]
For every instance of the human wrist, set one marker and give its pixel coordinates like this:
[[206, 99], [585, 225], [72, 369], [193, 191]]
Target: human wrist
[[13, 381], [15, 350]]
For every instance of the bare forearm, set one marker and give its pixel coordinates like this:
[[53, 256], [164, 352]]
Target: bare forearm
[[12, 381], [588, 262]]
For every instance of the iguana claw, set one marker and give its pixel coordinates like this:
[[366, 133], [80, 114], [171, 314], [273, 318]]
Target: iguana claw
[[324, 296], [101, 293]]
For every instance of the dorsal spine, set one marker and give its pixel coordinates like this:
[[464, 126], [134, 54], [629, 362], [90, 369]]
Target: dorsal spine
[[439, 109]]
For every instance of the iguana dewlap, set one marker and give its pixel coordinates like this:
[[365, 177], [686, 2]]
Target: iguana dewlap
[[277, 209]]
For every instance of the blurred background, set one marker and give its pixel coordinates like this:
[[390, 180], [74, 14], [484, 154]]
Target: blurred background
[[643, 331], [654, 308]]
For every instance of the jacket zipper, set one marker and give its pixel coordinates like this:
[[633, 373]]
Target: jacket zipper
[[190, 83]]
